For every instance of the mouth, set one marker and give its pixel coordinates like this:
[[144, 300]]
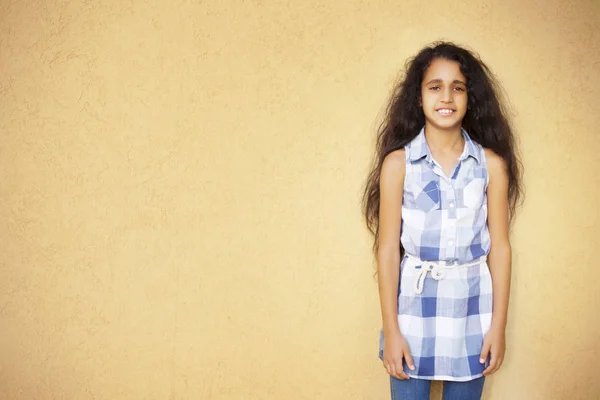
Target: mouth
[[445, 111]]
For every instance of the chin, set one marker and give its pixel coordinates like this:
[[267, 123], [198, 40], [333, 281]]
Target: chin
[[445, 124]]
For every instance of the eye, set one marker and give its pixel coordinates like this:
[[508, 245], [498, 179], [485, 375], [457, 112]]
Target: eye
[[459, 89], [434, 88]]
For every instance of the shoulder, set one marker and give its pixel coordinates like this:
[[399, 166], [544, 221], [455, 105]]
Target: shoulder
[[396, 157], [495, 164], [395, 160], [394, 166]]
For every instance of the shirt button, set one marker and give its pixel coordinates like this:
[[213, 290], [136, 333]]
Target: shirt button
[[451, 205], [450, 242]]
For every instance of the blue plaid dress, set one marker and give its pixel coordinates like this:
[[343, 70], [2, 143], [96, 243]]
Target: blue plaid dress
[[445, 290]]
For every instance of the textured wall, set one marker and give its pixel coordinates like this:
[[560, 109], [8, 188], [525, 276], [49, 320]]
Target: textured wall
[[180, 185]]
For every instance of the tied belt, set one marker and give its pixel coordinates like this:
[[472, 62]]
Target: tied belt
[[437, 269]]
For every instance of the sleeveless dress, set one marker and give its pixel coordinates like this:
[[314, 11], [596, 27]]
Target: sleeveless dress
[[445, 288]]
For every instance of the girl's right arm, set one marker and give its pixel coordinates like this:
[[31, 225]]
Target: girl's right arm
[[391, 189]]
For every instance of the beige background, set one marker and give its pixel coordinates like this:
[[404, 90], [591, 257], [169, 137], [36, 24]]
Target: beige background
[[180, 187]]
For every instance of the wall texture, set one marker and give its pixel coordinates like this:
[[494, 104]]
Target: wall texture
[[180, 186]]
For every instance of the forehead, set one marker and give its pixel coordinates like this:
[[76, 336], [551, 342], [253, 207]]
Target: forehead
[[446, 70]]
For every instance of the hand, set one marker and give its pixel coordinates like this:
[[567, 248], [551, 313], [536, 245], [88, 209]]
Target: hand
[[494, 343], [394, 349]]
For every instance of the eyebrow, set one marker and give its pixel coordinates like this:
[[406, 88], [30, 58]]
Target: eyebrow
[[441, 81]]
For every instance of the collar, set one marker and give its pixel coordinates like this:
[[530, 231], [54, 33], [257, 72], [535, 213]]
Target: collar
[[418, 148]]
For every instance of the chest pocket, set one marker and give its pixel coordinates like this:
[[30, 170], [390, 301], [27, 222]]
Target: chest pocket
[[427, 195], [473, 193]]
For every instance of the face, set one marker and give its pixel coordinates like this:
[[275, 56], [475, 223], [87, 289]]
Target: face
[[444, 94]]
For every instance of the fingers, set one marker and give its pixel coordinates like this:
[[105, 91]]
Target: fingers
[[387, 368], [484, 352], [409, 360], [400, 374], [494, 366], [395, 369], [391, 369]]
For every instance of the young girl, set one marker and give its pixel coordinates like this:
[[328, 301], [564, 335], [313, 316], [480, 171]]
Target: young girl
[[439, 201]]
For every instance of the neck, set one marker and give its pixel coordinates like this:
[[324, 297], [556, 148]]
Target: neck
[[444, 139]]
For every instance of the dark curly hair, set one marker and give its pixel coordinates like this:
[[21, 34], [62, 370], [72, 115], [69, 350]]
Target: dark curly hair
[[485, 120]]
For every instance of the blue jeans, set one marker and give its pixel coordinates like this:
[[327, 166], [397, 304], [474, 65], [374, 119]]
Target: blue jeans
[[418, 389]]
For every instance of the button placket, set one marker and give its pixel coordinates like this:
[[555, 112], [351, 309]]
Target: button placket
[[451, 228]]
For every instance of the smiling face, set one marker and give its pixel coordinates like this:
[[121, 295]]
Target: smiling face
[[444, 94]]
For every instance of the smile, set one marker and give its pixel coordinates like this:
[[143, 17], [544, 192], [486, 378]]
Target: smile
[[445, 111]]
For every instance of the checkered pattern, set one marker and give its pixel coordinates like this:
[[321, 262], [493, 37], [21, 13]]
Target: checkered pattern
[[445, 219]]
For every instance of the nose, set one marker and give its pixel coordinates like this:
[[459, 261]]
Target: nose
[[447, 95]]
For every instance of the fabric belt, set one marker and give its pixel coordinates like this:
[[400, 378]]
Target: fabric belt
[[437, 269]]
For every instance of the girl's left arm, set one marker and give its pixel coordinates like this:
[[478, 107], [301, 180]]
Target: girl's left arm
[[499, 260]]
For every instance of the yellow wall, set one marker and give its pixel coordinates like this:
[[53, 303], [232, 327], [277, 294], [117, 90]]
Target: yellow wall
[[180, 186]]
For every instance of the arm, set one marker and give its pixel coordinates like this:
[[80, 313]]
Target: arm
[[391, 186], [499, 259]]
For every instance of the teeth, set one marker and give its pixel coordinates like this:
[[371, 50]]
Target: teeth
[[445, 111]]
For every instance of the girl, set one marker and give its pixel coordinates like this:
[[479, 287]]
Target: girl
[[439, 201]]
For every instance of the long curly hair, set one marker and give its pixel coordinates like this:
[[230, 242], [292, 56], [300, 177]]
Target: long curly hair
[[486, 121]]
